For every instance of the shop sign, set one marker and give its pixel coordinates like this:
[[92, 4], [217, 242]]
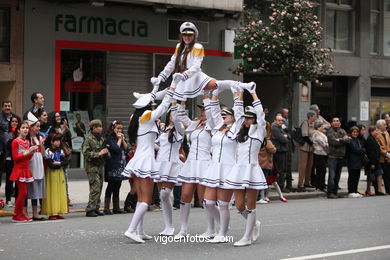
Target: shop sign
[[83, 86], [98, 25]]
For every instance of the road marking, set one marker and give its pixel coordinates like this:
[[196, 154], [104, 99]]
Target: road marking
[[302, 222], [40, 222], [347, 252]]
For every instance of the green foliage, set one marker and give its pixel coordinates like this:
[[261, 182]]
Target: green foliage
[[288, 45]]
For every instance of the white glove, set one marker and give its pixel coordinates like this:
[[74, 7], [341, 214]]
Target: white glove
[[251, 87], [155, 81], [178, 76]]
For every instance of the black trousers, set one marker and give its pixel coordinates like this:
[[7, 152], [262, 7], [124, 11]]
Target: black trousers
[[156, 196], [9, 185], [386, 176], [318, 178], [113, 188], [353, 180], [280, 167]]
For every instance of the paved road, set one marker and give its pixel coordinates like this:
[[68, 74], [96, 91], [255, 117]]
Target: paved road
[[294, 229]]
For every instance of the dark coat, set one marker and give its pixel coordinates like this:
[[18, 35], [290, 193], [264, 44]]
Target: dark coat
[[117, 160], [373, 152], [355, 154], [278, 139]]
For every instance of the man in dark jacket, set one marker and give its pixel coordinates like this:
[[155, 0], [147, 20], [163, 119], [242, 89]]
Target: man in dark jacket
[[280, 139], [38, 101], [5, 116], [337, 139]]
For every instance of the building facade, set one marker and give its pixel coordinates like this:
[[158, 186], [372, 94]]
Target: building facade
[[358, 31], [88, 57]]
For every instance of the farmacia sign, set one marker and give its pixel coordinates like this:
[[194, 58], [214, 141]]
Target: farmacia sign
[[98, 25]]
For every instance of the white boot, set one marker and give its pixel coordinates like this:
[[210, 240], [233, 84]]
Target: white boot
[[167, 212], [140, 210], [211, 213], [184, 214], [251, 86], [224, 222], [246, 240]]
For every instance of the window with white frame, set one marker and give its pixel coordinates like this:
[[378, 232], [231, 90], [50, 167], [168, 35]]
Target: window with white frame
[[386, 27], [374, 26], [340, 25]]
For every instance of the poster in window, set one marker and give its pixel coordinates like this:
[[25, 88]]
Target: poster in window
[[78, 125]]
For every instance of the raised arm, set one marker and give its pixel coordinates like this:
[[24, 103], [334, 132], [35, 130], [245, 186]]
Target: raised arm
[[216, 111], [261, 123]]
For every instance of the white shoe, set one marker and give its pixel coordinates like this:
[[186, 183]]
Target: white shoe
[[137, 95], [358, 195], [261, 201], [207, 235], [180, 235], [10, 204], [256, 231], [218, 239], [134, 237], [167, 232], [251, 87], [243, 242], [145, 237]]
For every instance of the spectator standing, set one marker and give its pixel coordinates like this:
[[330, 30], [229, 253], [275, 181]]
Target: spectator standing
[[57, 125], [355, 157], [36, 189], [38, 101], [291, 148], [306, 152], [373, 154], [280, 140], [9, 163], [316, 109], [5, 118], [95, 155], [55, 203], [320, 154], [337, 139], [383, 139], [117, 146]]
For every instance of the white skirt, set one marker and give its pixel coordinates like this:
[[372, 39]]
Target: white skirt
[[191, 87], [216, 174], [193, 171], [142, 167], [168, 171], [245, 176]]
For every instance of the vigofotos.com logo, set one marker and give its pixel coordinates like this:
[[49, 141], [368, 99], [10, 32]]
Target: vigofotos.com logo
[[187, 239]]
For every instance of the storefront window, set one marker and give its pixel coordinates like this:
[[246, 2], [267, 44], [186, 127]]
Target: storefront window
[[83, 90], [378, 106], [339, 25]]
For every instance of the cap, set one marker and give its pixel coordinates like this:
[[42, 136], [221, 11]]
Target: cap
[[31, 119], [225, 112], [95, 123], [189, 28], [250, 112]]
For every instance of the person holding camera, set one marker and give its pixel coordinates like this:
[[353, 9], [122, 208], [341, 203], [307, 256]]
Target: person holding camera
[[117, 146]]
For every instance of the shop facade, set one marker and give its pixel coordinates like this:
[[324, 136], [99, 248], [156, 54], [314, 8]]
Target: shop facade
[[87, 61]]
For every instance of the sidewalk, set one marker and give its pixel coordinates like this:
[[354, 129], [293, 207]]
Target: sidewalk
[[79, 190]]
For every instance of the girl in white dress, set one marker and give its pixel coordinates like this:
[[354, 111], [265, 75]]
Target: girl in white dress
[[143, 167], [170, 141], [185, 65], [246, 176]]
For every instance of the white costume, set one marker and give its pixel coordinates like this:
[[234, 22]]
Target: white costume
[[194, 169], [223, 146], [143, 163], [168, 154], [246, 173], [194, 80]]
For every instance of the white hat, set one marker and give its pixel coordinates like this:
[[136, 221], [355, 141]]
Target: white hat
[[189, 28], [144, 100], [31, 119], [250, 112]]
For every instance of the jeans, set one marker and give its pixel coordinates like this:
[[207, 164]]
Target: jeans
[[335, 165]]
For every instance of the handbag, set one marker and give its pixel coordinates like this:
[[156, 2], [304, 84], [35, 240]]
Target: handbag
[[365, 160], [67, 150]]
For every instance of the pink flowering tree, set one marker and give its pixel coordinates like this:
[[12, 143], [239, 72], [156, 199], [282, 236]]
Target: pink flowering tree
[[289, 44]]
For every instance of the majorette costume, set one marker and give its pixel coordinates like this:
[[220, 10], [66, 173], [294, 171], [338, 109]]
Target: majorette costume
[[192, 80], [246, 173], [168, 154]]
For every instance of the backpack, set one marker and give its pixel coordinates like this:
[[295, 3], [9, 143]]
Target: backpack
[[297, 136]]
